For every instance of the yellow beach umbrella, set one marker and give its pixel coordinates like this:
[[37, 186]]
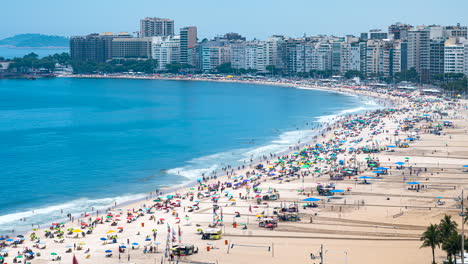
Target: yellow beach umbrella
[[77, 231], [259, 215], [110, 231]]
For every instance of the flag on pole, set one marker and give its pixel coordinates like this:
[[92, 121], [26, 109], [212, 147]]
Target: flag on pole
[[180, 234]]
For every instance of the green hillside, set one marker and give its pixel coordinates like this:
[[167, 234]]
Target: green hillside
[[35, 41]]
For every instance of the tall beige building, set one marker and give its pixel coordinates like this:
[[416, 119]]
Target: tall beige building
[[154, 27]]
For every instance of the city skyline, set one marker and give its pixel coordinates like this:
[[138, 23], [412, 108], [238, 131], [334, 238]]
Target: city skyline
[[259, 19]]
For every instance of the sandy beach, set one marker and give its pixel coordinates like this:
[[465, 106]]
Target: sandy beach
[[368, 208]]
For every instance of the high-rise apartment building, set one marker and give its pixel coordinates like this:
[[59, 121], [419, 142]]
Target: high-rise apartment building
[[188, 40], [418, 49], [94, 47], [455, 55], [456, 31], [436, 56], [154, 26], [131, 48], [399, 31], [166, 50]]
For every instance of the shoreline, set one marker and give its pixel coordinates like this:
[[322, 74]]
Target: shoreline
[[321, 128], [385, 214]]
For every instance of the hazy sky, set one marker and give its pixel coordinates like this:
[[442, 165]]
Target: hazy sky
[[251, 18]]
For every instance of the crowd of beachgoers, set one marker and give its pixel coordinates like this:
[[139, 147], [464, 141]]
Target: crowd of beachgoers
[[335, 169]]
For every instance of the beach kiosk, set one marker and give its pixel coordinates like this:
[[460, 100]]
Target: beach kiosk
[[268, 222], [212, 234], [184, 250]]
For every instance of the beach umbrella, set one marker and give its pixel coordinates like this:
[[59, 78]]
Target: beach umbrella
[[337, 191], [157, 243], [400, 163], [53, 254], [82, 243], [9, 240], [108, 251], [391, 146], [311, 199], [2, 238], [103, 238], [366, 177], [123, 246], [68, 246], [135, 244], [465, 166], [412, 183], [77, 231], [110, 231], [19, 256], [259, 215], [377, 171], [148, 239], [382, 168], [439, 197], [120, 227], [4, 250]]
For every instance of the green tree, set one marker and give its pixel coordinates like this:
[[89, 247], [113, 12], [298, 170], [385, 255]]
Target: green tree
[[225, 68], [410, 75], [451, 245], [175, 67], [447, 228], [431, 238], [351, 74], [271, 69]]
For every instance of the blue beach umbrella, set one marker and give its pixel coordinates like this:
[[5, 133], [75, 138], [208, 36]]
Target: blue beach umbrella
[[391, 146], [103, 238], [123, 246], [135, 244], [465, 166], [366, 177], [337, 191], [382, 168], [400, 163], [378, 171], [148, 239], [412, 183], [108, 251], [311, 199]]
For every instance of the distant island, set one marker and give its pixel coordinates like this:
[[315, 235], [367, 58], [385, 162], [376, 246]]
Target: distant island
[[35, 41]]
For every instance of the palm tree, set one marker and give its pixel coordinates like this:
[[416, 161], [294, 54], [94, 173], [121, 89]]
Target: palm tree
[[465, 218], [446, 227], [431, 238], [452, 245]]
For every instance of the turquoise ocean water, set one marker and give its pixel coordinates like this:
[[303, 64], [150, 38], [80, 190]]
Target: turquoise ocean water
[[69, 145]]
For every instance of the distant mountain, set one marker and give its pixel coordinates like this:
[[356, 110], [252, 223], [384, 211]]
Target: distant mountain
[[35, 41]]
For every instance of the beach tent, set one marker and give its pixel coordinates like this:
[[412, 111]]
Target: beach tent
[[311, 199], [412, 183]]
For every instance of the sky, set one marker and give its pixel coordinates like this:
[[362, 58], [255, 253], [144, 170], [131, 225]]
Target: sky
[[251, 18]]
